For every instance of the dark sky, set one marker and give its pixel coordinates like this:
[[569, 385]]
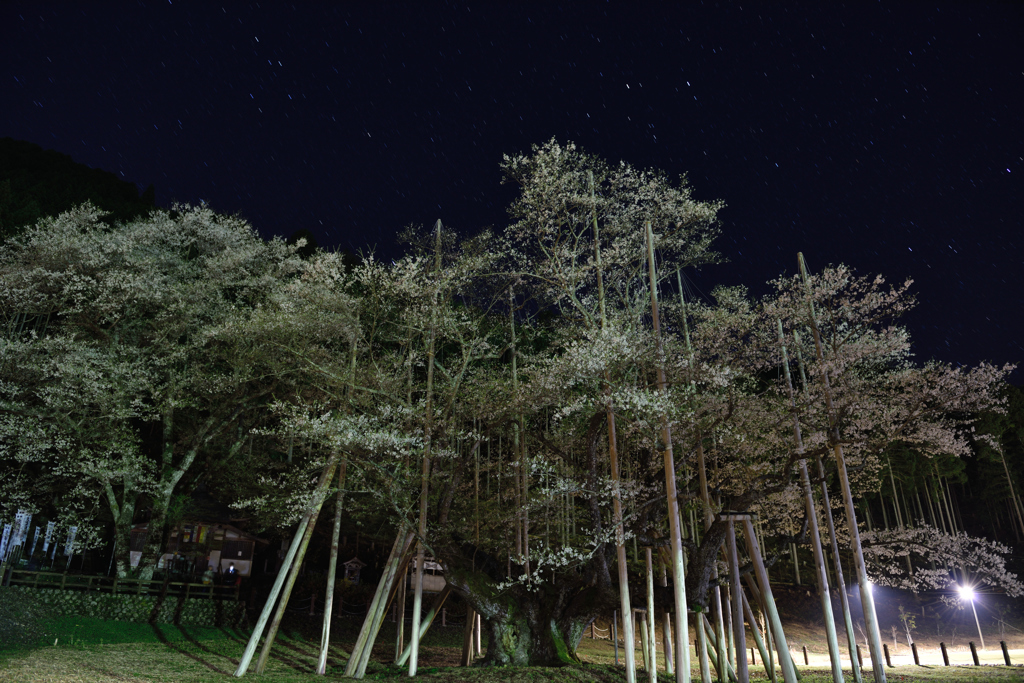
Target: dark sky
[[885, 135]]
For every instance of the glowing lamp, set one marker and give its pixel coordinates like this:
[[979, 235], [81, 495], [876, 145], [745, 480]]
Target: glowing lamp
[[966, 592]]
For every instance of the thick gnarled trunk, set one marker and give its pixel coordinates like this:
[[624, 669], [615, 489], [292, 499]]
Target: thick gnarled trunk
[[540, 627]]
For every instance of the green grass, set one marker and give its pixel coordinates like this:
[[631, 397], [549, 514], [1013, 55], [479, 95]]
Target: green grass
[[97, 651], [91, 650]]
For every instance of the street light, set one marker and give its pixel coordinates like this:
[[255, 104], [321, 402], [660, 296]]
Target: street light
[[967, 593]]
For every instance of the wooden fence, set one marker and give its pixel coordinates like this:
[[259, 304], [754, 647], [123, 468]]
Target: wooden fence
[[115, 586]]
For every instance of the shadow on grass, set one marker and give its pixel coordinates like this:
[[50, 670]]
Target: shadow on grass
[[192, 639], [164, 640]]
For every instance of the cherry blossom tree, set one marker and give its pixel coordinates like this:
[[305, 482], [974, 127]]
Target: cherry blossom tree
[[130, 378]]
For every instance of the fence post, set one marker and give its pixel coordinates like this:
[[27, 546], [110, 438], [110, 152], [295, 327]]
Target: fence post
[[860, 657], [806, 660], [888, 661], [974, 654], [1006, 653], [945, 655], [917, 659]]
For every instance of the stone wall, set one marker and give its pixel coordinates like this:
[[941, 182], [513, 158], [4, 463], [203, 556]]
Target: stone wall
[[138, 608]]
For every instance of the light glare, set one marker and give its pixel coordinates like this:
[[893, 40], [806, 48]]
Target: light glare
[[966, 592]]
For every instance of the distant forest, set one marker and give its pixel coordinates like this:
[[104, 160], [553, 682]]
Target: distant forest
[[35, 183]]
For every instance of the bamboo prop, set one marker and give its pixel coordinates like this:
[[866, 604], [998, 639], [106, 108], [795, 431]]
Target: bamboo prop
[[742, 672], [822, 577], [467, 637], [768, 642], [275, 590], [428, 428], [666, 623], [826, 503], [268, 607], [867, 599], [613, 456], [645, 647], [652, 638], [360, 656], [400, 614], [325, 637], [522, 481], [716, 599], [730, 653], [789, 674], [678, 571], [812, 517], [702, 649], [432, 613], [713, 643], [766, 660], [286, 591]]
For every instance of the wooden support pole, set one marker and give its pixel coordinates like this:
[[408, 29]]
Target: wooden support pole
[[297, 546], [428, 429], [715, 644], [766, 659], [652, 639], [708, 515], [286, 592], [645, 647], [675, 533], [785, 659], [739, 634], [415, 637], [400, 613], [851, 637], [613, 456], [702, 650], [360, 656], [467, 637], [332, 566], [821, 575], [666, 624], [867, 599]]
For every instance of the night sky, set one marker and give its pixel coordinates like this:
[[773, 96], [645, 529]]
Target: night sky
[[888, 136]]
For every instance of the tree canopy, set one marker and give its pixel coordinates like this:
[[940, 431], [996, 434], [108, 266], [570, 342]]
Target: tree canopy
[[143, 356]]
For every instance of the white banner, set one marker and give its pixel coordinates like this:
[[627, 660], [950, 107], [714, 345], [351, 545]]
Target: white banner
[[70, 545], [35, 540], [21, 523], [49, 536], [3, 541]]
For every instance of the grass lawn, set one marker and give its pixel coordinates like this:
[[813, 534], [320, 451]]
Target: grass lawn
[[95, 651]]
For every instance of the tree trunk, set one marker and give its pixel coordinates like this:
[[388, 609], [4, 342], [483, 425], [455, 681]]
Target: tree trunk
[[531, 628]]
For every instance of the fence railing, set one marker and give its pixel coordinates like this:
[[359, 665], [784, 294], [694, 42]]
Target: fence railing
[[115, 586]]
